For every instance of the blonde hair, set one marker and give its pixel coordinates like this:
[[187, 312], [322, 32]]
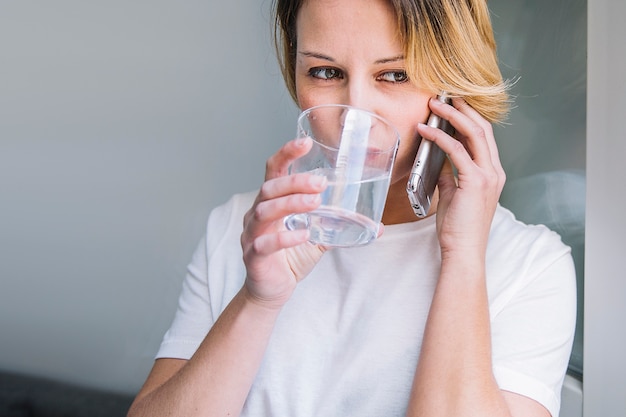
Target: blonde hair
[[449, 46]]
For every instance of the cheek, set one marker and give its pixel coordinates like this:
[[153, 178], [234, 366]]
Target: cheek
[[409, 140], [310, 93], [301, 94], [310, 96], [304, 102], [407, 151], [307, 95], [407, 128]]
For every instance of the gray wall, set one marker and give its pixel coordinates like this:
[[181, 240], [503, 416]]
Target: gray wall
[[121, 124]]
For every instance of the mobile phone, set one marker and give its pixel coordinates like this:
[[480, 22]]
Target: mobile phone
[[427, 166]]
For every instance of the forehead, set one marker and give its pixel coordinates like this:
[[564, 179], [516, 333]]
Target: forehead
[[337, 24]]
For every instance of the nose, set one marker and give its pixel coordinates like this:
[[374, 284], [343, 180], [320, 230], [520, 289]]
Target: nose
[[359, 94], [362, 95]]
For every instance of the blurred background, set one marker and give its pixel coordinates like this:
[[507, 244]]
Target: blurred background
[[123, 123]]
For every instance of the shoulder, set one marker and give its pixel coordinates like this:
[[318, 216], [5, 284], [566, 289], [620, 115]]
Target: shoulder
[[515, 240], [235, 207], [226, 219], [521, 257]]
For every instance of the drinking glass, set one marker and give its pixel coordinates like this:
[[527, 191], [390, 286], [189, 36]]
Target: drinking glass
[[355, 150]]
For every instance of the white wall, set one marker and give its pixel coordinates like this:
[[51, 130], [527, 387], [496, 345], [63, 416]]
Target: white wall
[[605, 283], [121, 125]]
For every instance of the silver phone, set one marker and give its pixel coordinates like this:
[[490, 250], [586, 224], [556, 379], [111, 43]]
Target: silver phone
[[427, 166]]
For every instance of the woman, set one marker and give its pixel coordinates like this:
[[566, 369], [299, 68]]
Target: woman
[[466, 312]]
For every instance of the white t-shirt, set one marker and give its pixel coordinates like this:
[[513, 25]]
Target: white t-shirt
[[347, 342]]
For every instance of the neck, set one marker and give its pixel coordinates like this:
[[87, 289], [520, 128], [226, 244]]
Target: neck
[[397, 207]]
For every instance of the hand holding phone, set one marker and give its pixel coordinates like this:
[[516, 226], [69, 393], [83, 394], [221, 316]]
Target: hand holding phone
[[427, 166]]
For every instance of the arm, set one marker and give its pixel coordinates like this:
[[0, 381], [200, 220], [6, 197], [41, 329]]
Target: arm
[[216, 380], [454, 376]]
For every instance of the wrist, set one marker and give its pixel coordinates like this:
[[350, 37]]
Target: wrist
[[271, 305], [463, 262]]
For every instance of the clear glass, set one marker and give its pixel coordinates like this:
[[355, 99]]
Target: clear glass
[[355, 150]]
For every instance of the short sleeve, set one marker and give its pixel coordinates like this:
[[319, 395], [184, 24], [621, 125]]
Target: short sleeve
[[214, 275], [532, 335], [193, 319]]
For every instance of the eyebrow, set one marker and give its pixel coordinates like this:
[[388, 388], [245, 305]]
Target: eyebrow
[[316, 55], [391, 59], [327, 58]]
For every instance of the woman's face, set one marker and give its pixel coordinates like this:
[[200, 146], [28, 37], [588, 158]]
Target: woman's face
[[349, 53]]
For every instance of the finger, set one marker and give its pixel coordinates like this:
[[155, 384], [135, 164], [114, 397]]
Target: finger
[[468, 171], [269, 211], [381, 230], [446, 186], [278, 164], [281, 196], [476, 117], [268, 244], [447, 179], [469, 132], [452, 147], [489, 137], [262, 221], [301, 183]]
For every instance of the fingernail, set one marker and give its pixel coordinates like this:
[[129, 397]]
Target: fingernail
[[299, 142]]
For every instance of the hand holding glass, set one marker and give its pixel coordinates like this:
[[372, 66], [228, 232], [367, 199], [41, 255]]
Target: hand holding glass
[[355, 150]]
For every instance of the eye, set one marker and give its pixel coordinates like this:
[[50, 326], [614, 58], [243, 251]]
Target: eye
[[325, 73], [394, 77]]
